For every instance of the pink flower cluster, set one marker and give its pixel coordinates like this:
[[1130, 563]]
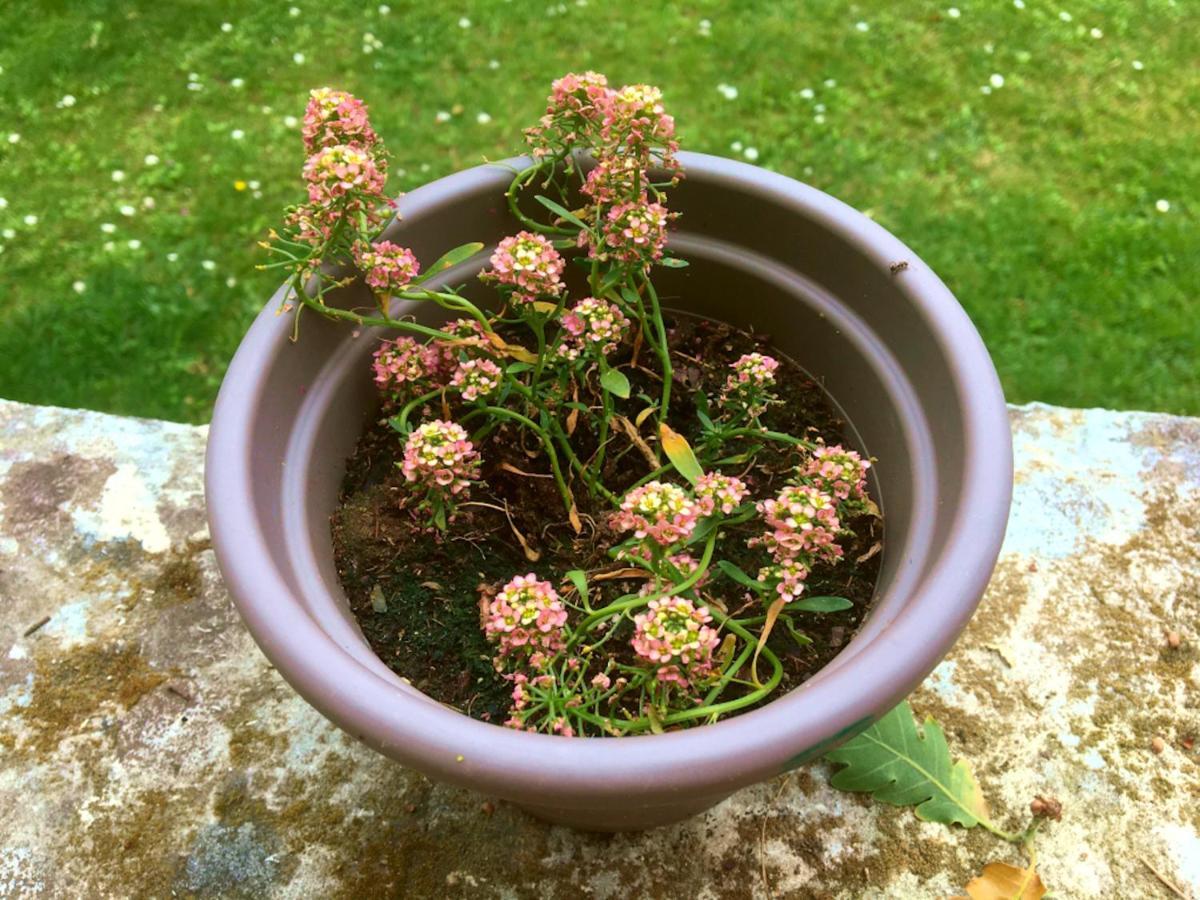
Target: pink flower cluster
[[682, 567], [336, 117], [615, 178], [716, 491], [386, 267], [674, 634], [402, 366], [439, 457], [529, 264], [596, 324], [802, 528], [633, 232], [838, 471], [333, 172], [635, 123], [575, 102], [526, 618], [476, 378], [749, 387], [658, 510]]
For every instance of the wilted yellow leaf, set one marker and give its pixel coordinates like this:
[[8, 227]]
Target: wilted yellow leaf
[[1000, 881]]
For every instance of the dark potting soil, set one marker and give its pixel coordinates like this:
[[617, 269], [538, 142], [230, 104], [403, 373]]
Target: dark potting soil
[[415, 593]]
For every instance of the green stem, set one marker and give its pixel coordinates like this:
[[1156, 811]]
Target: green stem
[[568, 502], [332, 312]]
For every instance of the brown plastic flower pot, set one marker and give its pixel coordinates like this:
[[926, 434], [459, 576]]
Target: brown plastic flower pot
[[834, 290]]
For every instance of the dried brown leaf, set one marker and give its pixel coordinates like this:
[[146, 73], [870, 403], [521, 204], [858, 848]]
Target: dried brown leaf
[[638, 441], [772, 615], [621, 573], [509, 467], [875, 548], [573, 415]]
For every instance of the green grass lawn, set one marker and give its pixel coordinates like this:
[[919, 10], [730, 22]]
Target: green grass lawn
[[1042, 158]]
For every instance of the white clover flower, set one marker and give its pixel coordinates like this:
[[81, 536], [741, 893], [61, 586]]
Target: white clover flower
[[148, 203], [78, 287], [384, 9], [237, 82], [237, 134], [1138, 65], [14, 138], [736, 146], [126, 210], [118, 176], [109, 246], [298, 58], [705, 27], [830, 83], [819, 107], [1162, 205], [227, 27], [67, 101], [442, 116], [997, 80], [108, 227], [862, 26], [728, 91], [1019, 4], [294, 11], [195, 86], [464, 22], [819, 119], [1096, 33], [807, 93], [493, 63], [230, 281], [30, 220], [208, 265], [135, 244], [483, 118], [751, 153], [291, 122], [1065, 16], [172, 257], [9, 234], [954, 12], [254, 185], [151, 160], [986, 89], [3, 203]]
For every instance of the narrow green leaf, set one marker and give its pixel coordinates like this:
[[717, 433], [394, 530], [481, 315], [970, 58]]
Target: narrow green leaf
[[679, 451], [673, 262], [738, 575], [615, 382], [579, 579], [517, 368], [822, 604], [451, 258], [904, 765], [561, 211]]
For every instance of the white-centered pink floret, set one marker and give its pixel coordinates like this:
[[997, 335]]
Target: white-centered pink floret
[[439, 456], [801, 520], [527, 618], [674, 634], [529, 264], [658, 510], [476, 378], [716, 491]]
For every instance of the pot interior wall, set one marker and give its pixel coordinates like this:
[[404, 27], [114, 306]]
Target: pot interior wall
[[754, 262]]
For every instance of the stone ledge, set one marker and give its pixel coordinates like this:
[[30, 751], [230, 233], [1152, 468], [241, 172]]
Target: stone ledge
[[147, 748]]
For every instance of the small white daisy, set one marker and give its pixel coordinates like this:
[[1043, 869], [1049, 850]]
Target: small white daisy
[[14, 138], [148, 203], [705, 27], [819, 119], [195, 86], [819, 107], [31, 220], [108, 227], [151, 160], [227, 27], [464, 22], [237, 134], [118, 175], [384, 9], [862, 26], [254, 185], [126, 210], [830, 83], [442, 116], [1162, 205], [291, 122], [230, 281], [728, 91], [172, 257], [135, 244], [986, 89], [807, 93], [78, 287], [493, 63], [237, 82], [1137, 65], [294, 11], [1019, 4], [736, 146], [298, 58], [109, 246], [208, 265], [996, 80], [954, 12], [3, 203], [9, 233], [1065, 16], [66, 102], [483, 118], [1096, 33], [751, 153]]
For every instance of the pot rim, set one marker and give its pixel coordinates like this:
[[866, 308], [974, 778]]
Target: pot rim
[[706, 759]]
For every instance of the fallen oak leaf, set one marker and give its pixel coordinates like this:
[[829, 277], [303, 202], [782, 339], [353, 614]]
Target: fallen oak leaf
[[904, 765], [1000, 881]]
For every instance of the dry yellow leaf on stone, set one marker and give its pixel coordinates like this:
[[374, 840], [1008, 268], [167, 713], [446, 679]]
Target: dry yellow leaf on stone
[[1000, 881]]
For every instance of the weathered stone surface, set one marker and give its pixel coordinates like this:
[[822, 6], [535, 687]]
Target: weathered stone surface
[[148, 749]]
